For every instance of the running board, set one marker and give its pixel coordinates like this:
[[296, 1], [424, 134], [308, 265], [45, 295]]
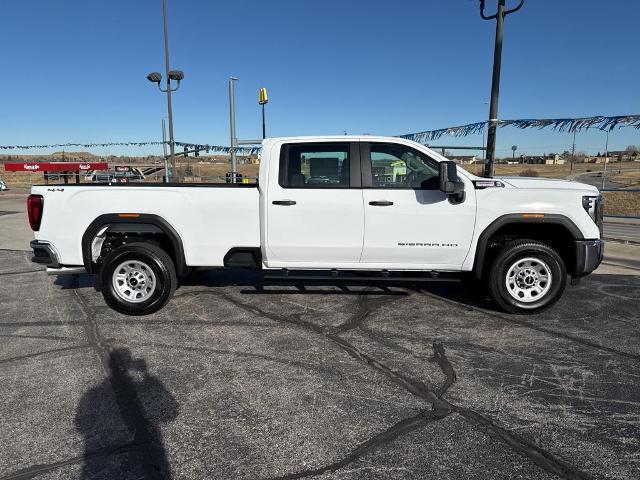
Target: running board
[[65, 270], [333, 277]]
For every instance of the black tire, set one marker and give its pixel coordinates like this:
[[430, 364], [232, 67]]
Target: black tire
[[163, 275], [532, 288]]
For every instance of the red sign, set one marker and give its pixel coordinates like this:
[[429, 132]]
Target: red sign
[[55, 166]]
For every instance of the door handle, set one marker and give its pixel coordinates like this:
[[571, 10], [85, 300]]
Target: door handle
[[287, 203], [381, 203]]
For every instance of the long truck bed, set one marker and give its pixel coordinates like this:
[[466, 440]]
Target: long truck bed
[[209, 218]]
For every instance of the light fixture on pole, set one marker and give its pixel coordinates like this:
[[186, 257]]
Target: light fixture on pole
[[495, 82], [175, 75], [262, 101]]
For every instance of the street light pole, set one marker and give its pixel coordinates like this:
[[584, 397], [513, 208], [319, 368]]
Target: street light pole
[[495, 82], [168, 69], [606, 158], [164, 151], [232, 130], [573, 152]]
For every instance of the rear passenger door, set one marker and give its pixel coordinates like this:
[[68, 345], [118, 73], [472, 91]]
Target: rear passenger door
[[315, 214]]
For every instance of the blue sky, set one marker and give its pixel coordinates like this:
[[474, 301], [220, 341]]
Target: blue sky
[[74, 70]]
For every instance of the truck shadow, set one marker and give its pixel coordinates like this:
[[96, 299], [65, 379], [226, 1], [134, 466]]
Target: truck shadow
[[256, 282]]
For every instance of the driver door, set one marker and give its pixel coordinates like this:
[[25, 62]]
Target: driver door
[[409, 222]]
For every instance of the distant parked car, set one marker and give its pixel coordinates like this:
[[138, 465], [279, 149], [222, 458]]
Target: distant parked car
[[3, 186]]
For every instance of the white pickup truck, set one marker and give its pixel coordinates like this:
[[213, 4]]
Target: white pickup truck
[[338, 205]]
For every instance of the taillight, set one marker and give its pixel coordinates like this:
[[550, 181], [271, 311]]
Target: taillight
[[35, 205]]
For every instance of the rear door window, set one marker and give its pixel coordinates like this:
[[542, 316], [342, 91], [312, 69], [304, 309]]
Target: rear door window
[[315, 165]]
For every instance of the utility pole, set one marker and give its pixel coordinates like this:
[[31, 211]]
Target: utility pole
[[606, 159], [495, 82], [573, 153], [484, 147], [232, 129]]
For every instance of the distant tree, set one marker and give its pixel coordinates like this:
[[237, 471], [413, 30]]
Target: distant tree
[[632, 151]]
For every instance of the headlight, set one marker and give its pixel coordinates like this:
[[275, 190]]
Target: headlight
[[594, 206]]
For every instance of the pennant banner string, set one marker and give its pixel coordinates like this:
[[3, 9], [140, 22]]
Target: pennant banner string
[[558, 124], [84, 145]]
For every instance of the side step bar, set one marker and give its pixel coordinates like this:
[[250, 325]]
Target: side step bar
[[65, 270], [387, 277]]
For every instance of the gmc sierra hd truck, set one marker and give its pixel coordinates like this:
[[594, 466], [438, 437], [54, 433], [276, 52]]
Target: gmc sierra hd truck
[[378, 206]]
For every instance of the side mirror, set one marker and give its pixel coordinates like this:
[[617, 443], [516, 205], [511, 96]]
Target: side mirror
[[449, 182]]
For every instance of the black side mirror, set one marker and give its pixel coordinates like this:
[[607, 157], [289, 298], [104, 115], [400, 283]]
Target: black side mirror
[[449, 182]]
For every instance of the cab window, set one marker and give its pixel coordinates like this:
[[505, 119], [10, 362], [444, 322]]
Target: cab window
[[315, 165], [399, 166]]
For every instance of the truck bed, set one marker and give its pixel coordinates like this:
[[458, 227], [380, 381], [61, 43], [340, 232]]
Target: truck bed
[[210, 218]]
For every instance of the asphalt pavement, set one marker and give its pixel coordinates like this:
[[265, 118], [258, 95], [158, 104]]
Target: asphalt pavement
[[241, 378], [238, 378], [622, 229], [595, 179]]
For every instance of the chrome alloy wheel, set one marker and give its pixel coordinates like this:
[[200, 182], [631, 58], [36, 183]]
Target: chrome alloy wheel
[[134, 281], [528, 279]]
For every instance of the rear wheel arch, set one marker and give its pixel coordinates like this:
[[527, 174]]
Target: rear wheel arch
[[558, 231], [145, 224]]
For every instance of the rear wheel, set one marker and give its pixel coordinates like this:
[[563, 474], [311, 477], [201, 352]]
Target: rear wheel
[[138, 279], [527, 276]]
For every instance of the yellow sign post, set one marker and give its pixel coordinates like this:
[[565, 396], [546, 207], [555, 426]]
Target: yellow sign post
[[262, 96], [262, 101]]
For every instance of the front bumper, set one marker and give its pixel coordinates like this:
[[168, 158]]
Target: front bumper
[[44, 254], [589, 255]]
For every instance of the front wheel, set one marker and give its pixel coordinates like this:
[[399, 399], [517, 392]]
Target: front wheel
[[527, 277], [138, 279]]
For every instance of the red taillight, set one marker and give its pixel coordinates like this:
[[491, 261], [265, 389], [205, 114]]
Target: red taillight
[[35, 205]]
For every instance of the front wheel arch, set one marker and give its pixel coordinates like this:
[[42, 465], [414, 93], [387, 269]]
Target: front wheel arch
[[557, 231]]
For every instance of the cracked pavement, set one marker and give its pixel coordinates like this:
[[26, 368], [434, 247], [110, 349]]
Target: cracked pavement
[[238, 378]]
